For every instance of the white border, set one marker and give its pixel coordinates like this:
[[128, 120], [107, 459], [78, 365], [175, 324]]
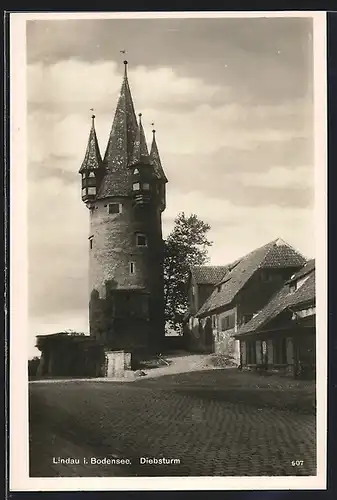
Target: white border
[[19, 478]]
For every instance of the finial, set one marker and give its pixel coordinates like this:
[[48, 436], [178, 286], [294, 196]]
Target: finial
[[125, 69], [92, 116], [153, 129], [140, 117]]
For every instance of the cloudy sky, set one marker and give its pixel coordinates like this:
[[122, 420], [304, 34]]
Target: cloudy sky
[[232, 104]]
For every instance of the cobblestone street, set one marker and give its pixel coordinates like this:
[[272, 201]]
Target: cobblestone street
[[206, 420]]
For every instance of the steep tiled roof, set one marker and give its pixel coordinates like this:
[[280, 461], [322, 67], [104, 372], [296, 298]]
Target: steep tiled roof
[[92, 159], [276, 254], [208, 275], [117, 180], [281, 301], [140, 152], [155, 159]]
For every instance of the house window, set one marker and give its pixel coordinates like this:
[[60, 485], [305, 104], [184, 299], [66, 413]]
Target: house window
[[114, 208], [228, 322], [280, 351], [136, 186], [214, 321], [90, 242], [91, 174], [251, 352], [146, 186], [141, 240], [132, 267], [92, 191]]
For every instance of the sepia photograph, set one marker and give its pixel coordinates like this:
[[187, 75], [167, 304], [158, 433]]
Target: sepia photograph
[[172, 218]]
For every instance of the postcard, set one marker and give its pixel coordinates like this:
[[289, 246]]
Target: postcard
[[168, 214]]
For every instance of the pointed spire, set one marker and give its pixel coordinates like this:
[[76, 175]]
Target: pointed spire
[[92, 159], [120, 144], [140, 152], [155, 159]]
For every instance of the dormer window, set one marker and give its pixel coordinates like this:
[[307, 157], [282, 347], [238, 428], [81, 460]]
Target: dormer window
[[114, 208], [136, 186], [141, 240], [146, 186]]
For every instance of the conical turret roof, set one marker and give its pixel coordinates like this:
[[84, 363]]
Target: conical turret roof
[[155, 159], [140, 152], [120, 145], [92, 159]]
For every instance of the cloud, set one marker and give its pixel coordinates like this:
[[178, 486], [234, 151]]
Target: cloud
[[281, 178], [235, 230], [238, 158]]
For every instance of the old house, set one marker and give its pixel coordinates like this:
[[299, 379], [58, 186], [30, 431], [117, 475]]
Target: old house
[[282, 336], [200, 285], [245, 287]]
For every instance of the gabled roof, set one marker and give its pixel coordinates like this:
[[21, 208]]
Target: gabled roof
[[117, 179], [92, 159], [155, 159], [282, 300], [276, 254], [208, 275]]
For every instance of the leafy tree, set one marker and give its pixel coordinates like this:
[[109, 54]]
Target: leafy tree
[[186, 246]]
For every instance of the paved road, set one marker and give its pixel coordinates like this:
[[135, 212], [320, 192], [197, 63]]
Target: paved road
[[209, 429]]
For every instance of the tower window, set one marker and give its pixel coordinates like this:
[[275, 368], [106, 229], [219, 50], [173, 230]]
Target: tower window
[[91, 174], [146, 186], [90, 242], [136, 171], [141, 240], [114, 208], [132, 267], [136, 186], [84, 191], [92, 191]]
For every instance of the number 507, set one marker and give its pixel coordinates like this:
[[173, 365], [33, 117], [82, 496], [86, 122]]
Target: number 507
[[296, 463]]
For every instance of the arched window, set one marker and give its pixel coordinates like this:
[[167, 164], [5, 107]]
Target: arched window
[[136, 171], [91, 174]]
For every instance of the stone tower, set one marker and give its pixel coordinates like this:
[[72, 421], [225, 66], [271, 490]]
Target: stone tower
[[126, 195]]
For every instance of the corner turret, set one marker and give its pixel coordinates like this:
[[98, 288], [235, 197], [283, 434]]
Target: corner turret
[[159, 172], [91, 169], [143, 176]]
